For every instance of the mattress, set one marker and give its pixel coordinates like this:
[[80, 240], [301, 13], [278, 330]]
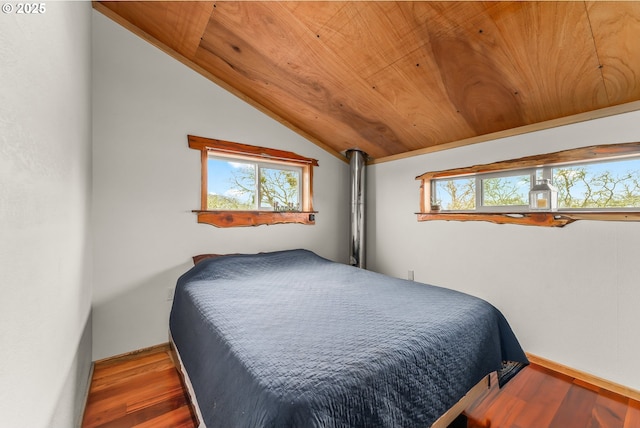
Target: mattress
[[290, 339]]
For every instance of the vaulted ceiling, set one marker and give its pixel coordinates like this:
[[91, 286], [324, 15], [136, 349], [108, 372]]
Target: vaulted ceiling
[[396, 78]]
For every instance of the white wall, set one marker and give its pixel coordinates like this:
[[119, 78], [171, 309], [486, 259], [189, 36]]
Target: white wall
[[147, 181], [45, 184], [584, 313]]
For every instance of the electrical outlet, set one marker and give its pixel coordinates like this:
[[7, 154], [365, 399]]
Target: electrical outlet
[[410, 275], [170, 292]]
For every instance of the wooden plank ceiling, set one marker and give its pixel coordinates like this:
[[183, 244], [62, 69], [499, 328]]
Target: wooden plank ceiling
[[392, 78]]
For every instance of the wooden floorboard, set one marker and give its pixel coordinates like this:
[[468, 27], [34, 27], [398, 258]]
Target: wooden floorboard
[[541, 398], [633, 415], [138, 390], [144, 390]]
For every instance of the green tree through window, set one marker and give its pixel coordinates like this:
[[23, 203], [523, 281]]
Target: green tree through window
[[233, 186], [597, 186]]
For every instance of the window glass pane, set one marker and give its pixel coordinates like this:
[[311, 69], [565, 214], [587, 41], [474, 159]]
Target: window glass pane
[[506, 191], [456, 194], [280, 189], [231, 185], [599, 185]]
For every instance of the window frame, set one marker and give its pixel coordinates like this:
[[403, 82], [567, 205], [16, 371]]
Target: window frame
[[253, 154], [532, 164]]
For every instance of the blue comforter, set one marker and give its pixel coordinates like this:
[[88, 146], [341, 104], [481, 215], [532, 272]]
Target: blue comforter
[[289, 339]]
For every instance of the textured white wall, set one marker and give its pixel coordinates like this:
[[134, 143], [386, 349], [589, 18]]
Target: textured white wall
[[147, 181], [582, 312], [45, 184]]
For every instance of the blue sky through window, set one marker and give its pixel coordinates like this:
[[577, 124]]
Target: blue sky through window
[[220, 178], [623, 177]]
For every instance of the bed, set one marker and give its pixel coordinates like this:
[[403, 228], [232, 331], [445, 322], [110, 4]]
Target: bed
[[290, 339]]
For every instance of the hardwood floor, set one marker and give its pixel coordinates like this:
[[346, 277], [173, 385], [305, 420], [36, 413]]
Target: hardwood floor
[[541, 398], [144, 390], [140, 390]]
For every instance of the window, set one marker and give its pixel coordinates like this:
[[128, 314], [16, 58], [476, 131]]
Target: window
[[611, 185], [496, 192], [246, 185], [598, 182], [259, 186], [457, 194]]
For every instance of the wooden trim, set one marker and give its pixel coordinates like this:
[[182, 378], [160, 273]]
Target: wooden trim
[[238, 218], [425, 196], [307, 189], [134, 354], [254, 218], [239, 149], [198, 69], [550, 219], [604, 216], [585, 377], [562, 121], [204, 179], [529, 218], [583, 154], [474, 393]]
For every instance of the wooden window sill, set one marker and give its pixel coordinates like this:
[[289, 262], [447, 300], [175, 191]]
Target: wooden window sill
[[234, 218], [547, 219]]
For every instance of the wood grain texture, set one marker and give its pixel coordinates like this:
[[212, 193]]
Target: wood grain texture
[[582, 154], [615, 32], [178, 24], [585, 377], [577, 118], [246, 150], [254, 218], [391, 78], [542, 398], [551, 219], [524, 219], [141, 389], [298, 76], [633, 415]]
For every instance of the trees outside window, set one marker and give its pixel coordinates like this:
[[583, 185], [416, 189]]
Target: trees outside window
[[244, 185], [596, 186], [234, 186]]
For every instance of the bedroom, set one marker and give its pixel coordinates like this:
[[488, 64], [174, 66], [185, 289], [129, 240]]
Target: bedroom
[[125, 200]]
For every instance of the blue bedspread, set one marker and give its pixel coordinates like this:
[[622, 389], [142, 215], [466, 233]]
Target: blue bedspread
[[289, 339]]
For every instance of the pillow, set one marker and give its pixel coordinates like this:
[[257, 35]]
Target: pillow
[[200, 257]]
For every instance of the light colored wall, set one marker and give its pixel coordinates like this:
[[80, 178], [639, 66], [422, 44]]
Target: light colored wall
[[45, 184], [147, 181], [579, 307]]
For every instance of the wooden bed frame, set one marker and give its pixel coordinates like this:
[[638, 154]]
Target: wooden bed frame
[[443, 421], [474, 393]]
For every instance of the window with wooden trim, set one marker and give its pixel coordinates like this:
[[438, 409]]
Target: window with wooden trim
[[597, 182], [245, 185]]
